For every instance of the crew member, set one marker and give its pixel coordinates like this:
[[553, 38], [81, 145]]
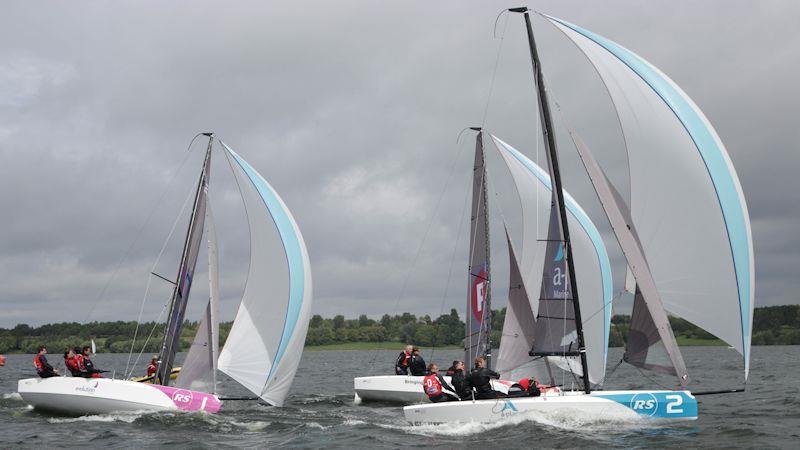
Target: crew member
[[480, 379], [459, 379], [436, 388], [43, 368], [526, 387], [417, 364], [401, 365], [153, 366], [71, 362], [88, 364]]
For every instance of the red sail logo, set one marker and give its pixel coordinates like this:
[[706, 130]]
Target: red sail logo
[[480, 286]]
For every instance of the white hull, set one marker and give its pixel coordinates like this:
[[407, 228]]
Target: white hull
[[623, 405], [82, 396], [404, 389]]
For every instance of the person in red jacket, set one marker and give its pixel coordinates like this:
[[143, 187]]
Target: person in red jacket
[[403, 360], [436, 387], [74, 364], [153, 366], [43, 368]]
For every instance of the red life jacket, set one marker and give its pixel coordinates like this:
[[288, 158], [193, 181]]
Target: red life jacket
[[525, 383], [72, 364], [432, 385], [79, 363], [37, 363], [151, 369], [406, 357]]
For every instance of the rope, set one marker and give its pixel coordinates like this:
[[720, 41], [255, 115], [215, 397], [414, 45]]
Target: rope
[[496, 64]]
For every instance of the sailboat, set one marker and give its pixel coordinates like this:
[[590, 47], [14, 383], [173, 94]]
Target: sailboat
[[687, 244], [263, 349], [531, 181]]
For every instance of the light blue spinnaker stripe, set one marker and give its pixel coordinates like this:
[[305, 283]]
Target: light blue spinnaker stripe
[[730, 201], [292, 246], [587, 225]]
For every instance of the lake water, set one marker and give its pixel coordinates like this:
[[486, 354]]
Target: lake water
[[320, 412]]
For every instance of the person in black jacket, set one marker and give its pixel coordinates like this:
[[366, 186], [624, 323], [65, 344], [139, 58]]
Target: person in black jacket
[[480, 379], [417, 364], [459, 380], [403, 359]]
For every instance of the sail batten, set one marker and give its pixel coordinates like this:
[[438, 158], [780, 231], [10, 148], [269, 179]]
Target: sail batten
[[666, 136]]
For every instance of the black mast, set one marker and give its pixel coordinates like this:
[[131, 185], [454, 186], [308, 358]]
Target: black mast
[[177, 306], [555, 175]]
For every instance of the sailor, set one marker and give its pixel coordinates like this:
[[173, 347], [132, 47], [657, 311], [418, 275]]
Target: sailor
[[480, 379], [417, 364], [72, 364], [436, 388], [43, 368], [459, 379], [88, 364], [526, 387], [401, 365], [153, 366]]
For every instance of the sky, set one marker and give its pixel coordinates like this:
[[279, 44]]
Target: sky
[[351, 110]]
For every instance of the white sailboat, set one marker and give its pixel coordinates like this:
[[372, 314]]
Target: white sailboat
[[513, 361], [265, 343], [688, 245]]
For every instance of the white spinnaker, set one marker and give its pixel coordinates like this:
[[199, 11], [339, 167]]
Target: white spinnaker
[[199, 370], [266, 341], [592, 265], [686, 200]]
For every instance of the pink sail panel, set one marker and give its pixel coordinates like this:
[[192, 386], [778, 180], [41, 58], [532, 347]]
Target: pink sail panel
[[187, 400]]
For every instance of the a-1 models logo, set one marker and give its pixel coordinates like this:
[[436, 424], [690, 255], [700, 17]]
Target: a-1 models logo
[[504, 408], [645, 404]]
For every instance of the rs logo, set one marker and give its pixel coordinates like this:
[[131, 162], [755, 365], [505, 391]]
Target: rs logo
[[645, 404], [182, 396]]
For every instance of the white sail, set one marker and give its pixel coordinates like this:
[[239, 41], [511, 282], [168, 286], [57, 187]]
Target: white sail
[[266, 341], [199, 370], [686, 200], [592, 265]]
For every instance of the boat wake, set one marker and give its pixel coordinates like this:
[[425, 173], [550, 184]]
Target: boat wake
[[572, 421]]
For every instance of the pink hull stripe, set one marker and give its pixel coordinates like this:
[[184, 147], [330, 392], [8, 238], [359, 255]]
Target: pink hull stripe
[[187, 400]]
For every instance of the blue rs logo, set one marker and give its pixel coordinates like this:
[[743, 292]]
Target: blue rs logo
[[644, 403]]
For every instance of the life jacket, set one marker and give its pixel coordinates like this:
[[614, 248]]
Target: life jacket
[[432, 385], [37, 363], [524, 383], [406, 357], [79, 363], [72, 365], [151, 369]]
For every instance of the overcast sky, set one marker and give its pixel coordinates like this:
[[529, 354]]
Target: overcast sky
[[351, 111]]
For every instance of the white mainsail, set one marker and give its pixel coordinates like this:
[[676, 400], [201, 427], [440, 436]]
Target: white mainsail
[[686, 202], [592, 264], [266, 341]]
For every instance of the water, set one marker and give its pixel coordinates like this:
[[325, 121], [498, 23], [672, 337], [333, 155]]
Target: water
[[320, 412]]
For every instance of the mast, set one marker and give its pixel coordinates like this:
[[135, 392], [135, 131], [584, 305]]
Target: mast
[[558, 192], [180, 292], [477, 341]]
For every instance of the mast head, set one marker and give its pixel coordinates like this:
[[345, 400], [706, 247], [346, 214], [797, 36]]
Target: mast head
[[207, 134], [521, 9], [478, 129]]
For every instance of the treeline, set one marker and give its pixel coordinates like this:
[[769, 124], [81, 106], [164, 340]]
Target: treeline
[[772, 325]]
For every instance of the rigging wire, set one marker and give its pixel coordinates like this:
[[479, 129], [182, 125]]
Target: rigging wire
[[150, 276], [150, 215], [496, 64]]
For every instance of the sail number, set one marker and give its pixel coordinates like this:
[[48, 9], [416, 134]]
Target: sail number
[[673, 403]]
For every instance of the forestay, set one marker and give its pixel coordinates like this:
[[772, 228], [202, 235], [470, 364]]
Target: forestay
[[686, 202], [592, 267], [266, 341]]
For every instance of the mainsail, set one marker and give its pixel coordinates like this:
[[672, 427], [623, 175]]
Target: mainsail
[[687, 204], [180, 294], [592, 265], [479, 314], [199, 370], [266, 341]]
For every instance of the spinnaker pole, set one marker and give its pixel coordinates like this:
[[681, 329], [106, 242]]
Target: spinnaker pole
[[558, 191]]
